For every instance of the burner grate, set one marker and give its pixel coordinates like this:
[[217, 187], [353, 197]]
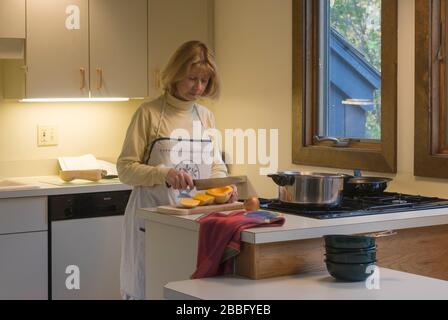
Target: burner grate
[[357, 206]]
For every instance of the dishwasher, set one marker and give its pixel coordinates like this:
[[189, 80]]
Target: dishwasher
[[85, 245]]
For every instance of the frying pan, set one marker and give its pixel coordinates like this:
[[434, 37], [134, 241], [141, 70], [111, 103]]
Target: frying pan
[[364, 186]]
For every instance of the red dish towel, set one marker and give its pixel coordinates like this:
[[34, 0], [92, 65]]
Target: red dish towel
[[219, 238]]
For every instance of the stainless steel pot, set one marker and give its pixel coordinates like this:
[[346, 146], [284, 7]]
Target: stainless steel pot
[[309, 188]]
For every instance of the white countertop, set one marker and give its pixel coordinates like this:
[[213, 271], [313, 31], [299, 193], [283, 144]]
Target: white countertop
[[393, 285], [297, 227], [52, 185]]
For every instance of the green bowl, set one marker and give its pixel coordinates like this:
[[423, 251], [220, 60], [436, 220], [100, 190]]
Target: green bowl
[[341, 241], [345, 250], [352, 257], [349, 271]]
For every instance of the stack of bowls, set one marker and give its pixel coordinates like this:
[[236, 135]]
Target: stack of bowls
[[349, 257]]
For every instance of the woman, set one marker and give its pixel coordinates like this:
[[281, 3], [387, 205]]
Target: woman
[[145, 161]]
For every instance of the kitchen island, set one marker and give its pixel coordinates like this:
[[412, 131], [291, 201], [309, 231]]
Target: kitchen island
[[296, 247]]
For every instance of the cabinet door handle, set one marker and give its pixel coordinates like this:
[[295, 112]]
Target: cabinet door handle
[[99, 75], [82, 72]]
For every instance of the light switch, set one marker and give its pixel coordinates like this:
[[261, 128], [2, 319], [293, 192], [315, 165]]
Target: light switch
[[47, 136]]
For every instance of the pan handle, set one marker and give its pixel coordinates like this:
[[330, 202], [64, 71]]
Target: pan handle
[[282, 180], [380, 234]]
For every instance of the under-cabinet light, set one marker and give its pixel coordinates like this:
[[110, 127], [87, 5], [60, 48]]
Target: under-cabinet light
[[72, 99]]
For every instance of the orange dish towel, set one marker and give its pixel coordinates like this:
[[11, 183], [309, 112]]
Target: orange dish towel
[[219, 238]]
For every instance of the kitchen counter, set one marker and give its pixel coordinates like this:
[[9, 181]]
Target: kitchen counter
[[297, 227], [52, 185], [393, 285], [282, 247]]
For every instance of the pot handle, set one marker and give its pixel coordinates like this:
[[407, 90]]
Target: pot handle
[[282, 180], [380, 234]]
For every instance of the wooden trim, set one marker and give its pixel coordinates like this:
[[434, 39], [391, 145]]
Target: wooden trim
[[429, 89], [267, 260], [421, 251], [435, 36], [312, 70], [439, 116], [364, 155], [298, 80]]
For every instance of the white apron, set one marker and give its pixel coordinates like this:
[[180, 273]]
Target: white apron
[[132, 271]]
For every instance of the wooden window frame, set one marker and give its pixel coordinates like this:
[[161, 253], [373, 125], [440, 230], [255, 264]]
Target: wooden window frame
[[380, 156], [430, 152]]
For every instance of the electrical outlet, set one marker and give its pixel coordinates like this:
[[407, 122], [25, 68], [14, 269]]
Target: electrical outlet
[[47, 136]]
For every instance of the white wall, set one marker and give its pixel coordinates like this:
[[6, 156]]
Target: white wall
[[254, 45], [97, 128]]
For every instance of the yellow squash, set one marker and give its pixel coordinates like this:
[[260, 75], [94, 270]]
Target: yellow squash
[[222, 195], [204, 199], [189, 203]]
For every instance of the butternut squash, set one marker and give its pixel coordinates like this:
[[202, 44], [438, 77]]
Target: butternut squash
[[189, 203], [204, 199], [222, 195]]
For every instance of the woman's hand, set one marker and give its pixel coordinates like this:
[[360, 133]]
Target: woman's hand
[[234, 195], [179, 179]]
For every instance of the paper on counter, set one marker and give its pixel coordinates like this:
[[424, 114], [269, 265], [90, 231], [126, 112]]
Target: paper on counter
[[110, 168], [87, 162]]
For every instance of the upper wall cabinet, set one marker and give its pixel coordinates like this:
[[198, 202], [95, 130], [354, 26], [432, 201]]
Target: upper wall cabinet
[[118, 48], [12, 19], [172, 22], [57, 57], [12, 29], [77, 46]]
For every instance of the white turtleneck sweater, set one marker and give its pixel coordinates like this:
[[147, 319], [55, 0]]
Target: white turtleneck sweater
[[142, 132]]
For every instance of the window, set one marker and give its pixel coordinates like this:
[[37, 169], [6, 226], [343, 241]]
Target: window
[[431, 119], [344, 78]]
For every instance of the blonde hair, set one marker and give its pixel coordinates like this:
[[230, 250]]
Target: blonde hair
[[189, 54]]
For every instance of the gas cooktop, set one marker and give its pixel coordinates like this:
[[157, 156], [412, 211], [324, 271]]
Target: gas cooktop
[[386, 202]]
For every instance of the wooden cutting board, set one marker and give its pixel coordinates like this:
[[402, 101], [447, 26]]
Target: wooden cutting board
[[200, 209]]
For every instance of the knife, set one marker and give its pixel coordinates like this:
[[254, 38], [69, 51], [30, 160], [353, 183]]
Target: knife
[[203, 184]]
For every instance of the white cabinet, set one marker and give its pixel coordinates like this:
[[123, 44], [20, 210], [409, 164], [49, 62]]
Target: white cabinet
[[19, 215], [171, 23], [77, 46], [118, 48], [57, 58], [24, 266], [12, 48], [102, 48], [12, 19], [23, 248]]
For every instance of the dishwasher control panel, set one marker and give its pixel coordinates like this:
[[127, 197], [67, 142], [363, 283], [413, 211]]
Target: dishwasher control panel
[[87, 205]]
